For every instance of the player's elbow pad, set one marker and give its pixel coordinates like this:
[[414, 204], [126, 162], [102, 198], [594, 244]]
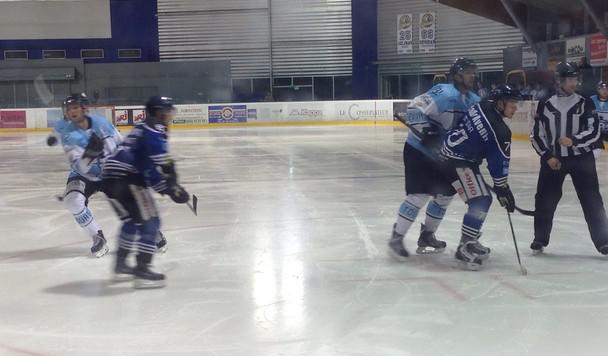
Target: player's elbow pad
[[414, 116]]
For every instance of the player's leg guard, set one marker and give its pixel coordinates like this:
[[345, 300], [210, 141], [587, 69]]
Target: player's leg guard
[[128, 234], [435, 211], [408, 211], [472, 223], [146, 247], [75, 202]]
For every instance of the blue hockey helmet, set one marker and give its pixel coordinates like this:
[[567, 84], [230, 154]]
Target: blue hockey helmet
[[158, 104]]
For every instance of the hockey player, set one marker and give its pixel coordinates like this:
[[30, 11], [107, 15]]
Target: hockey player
[[86, 139], [481, 134], [600, 100], [141, 162], [429, 116]]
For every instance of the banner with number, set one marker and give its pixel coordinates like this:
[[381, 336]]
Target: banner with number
[[405, 33], [426, 28]]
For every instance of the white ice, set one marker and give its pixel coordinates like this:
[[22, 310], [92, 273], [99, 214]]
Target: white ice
[[288, 257]]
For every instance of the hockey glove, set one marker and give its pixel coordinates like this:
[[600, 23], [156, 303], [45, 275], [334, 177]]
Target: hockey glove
[[51, 140], [169, 172], [505, 197], [178, 194], [95, 147]]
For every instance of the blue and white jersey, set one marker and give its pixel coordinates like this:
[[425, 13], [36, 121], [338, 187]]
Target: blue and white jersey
[[74, 141], [481, 134], [144, 152], [601, 107], [442, 106]]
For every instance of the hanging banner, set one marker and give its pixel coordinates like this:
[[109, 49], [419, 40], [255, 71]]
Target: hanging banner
[[426, 28], [599, 50], [575, 49], [405, 33], [528, 57]]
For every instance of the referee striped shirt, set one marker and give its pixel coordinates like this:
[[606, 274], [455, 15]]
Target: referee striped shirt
[[570, 116]]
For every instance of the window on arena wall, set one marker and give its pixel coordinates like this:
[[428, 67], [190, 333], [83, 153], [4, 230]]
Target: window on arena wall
[[241, 90], [323, 88], [390, 87], [343, 88], [261, 88]]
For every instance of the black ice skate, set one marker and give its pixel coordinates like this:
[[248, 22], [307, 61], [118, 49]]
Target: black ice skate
[[146, 278], [122, 271], [100, 245], [537, 248], [395, 246], [481, 251], [161, 245], [604, 250], [466, 258], [428, 243]]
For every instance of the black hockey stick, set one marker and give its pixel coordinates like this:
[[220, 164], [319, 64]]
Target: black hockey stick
[[518, 209], [523, 269], [194, 205]]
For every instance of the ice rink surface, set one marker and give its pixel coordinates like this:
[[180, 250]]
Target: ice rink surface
[[288, 257]]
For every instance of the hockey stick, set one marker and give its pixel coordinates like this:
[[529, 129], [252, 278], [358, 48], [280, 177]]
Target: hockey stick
[[523, 269], [518, 209], [194, 205]]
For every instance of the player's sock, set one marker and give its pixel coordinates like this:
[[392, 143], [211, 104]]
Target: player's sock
[[435, 211], [408, 211], [76, 204], [472, 223]]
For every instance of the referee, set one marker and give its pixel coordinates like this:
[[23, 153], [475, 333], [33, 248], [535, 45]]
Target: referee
[[565, 128]]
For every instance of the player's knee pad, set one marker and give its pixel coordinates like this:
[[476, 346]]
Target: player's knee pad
[[149, 229], [75, 202], [411, 206], [479, 207]]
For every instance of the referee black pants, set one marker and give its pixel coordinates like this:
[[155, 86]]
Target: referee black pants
[[549, 191]]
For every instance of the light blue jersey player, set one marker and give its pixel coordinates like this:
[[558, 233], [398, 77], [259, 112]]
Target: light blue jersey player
[[429, 116], [87, 140], [600, 100]]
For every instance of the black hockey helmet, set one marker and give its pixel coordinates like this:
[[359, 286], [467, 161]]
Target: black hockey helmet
[[461, 64], [567, 70], [505, 92], [81, 99], [602, 84], [158, 104]]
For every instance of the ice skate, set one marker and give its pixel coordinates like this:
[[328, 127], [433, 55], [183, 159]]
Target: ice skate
[[122, 271], [396, 249], [428, 243], [537, 248], [100, 245], [466, 258], [145, 278]]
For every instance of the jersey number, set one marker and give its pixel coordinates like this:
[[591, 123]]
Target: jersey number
[[457, 137]]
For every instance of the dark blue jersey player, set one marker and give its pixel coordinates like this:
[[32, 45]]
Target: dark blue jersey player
[[140, 163], [482, 134]]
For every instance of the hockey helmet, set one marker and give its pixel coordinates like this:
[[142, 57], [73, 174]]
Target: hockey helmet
[[158, 104], [505, 92], [602, 84], [461, 64], [567, 70], [81, 99]]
